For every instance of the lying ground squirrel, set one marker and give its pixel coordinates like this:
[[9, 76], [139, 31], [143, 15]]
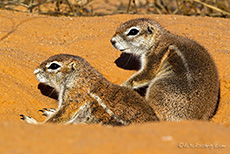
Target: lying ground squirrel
[[180, 75], [85, 96]]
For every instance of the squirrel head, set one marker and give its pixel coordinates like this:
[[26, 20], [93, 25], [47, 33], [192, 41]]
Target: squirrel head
[[137, 36], [59, 70]]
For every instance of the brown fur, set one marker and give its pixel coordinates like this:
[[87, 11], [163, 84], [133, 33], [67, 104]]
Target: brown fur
[[85, 96], [180, 75]]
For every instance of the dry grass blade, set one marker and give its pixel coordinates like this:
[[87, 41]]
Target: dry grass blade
[[163, 6], [192, 5], [13, 3], [71, 7], [212, 7], [157, 8], [32, 6], [184, 8], [135, 6], [128, 6]]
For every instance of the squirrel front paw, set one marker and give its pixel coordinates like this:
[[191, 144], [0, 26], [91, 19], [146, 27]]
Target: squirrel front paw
[[48, 112], [28, 119]]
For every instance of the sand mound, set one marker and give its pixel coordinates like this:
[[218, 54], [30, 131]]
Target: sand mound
[[27, 39]]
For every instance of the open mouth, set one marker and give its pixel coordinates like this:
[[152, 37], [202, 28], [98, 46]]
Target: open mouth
[[48, 91], [122, 50]]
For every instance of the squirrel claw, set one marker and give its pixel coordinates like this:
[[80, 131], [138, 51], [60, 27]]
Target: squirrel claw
[[28, 119], [48, 112]]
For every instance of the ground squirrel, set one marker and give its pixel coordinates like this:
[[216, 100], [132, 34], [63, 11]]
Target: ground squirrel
[[180, 75], [85, 96]]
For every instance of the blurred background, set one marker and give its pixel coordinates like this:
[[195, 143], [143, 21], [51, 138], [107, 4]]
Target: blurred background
[[213, 8]]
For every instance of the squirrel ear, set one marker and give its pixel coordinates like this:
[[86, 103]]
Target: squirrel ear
[[73, 66], [150, 29]]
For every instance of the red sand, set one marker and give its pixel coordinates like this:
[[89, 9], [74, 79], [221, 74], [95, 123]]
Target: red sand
[[28, 39]]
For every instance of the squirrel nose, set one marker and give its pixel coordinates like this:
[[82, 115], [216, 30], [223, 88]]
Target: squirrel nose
[[112, 41], [36, 71]]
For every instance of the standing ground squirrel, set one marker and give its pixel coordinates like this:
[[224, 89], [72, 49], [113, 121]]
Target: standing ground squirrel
[[180, 75], [85, 96]]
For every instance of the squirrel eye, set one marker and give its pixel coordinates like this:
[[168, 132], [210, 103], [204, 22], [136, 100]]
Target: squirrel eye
[[54, 66], [133, 32]]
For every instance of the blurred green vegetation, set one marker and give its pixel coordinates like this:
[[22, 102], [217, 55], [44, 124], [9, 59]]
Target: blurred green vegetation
[[213, 8]]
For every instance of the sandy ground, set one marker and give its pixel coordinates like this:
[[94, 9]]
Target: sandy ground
[[28, 39]]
